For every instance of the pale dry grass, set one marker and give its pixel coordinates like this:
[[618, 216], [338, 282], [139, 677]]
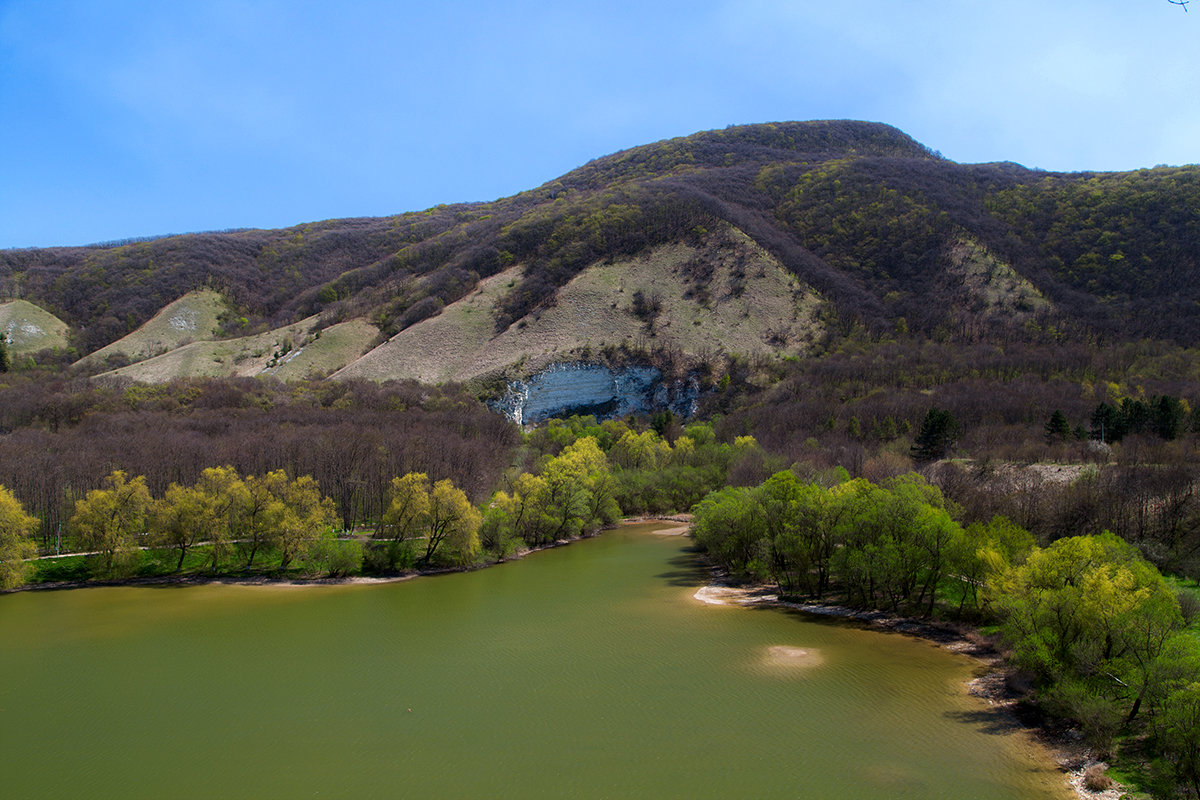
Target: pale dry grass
[[29, 328], [997, 289], [337, 346], [773, 315], [308, 356], [193, 317]]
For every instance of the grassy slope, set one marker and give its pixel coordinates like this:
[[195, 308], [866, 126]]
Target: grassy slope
[[29, 328], [337, 346], [255, 355], [993, 287], [774, 314], [192, 317]]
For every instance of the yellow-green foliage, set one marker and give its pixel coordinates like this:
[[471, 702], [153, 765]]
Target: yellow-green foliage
[[572, 494], [1103, 635], [15, 543], [212, 511], [109, 520], [650, 474], [452, 524], [440, 514]]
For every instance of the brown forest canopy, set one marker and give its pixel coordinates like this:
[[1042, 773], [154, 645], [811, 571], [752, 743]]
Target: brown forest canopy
[[60, 439]]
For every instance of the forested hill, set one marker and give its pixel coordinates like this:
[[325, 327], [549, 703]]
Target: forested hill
[[885, 231]]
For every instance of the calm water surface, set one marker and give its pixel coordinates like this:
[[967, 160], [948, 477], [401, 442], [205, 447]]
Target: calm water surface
[[585, 671]]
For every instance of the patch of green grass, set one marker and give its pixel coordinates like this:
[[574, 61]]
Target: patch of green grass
[[1139, 773], [1187, 588], [197, 563], [67, 568]]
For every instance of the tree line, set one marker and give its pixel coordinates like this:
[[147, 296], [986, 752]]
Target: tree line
[[227, 524], [580, 476], [62, 438]]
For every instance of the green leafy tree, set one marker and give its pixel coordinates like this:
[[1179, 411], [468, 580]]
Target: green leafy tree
[[452, 523], [1180, 734], [984, 551], [16, 546], [899, 539], [1094, 622], [574, 493], [798, 518], [729, 524], [5, 360], [405, 517], [264, 505], [211, 512], [300, 516], [109, 520], [528, 509], [284, 514], [640, 451], [228, 502], [180, 519]]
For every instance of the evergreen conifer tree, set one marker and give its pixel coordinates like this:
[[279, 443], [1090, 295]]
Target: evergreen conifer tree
[[939, 432], [1057, 428]]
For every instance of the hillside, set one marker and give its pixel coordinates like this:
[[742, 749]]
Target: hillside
[[722, 294], [28, 329], [298, 351], [194, 316], [839, 226]]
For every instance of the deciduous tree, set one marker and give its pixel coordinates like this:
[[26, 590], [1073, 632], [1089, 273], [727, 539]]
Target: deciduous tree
[[109, 520], [16, 546], [453, 522]]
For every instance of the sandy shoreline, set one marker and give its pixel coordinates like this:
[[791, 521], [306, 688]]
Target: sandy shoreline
[[1066, 748]]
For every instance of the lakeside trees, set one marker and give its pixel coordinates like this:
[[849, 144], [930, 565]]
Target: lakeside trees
[[16, 544], [1096, 625], [885, 546], [109, 520], [572, 493], [61, 439], [1090, 620], [233, 520], [212, 511]]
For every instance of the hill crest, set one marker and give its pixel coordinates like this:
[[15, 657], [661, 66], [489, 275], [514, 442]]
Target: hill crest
[[886, 233]]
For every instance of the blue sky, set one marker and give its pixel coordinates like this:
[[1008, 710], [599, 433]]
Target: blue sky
[[124, 118]]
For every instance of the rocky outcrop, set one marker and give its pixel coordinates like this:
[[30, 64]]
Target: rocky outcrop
[[579, 388]]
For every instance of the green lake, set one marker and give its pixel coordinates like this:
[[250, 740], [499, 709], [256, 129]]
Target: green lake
[[582, 671]]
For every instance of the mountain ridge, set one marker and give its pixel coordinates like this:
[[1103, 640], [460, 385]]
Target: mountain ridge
[[886, 232]]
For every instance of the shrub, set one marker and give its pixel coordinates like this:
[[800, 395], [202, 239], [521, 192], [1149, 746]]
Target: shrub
[[1095, 778]]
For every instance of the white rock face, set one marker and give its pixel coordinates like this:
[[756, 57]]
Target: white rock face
[[183, 321], [565, 389], [16, 332]]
